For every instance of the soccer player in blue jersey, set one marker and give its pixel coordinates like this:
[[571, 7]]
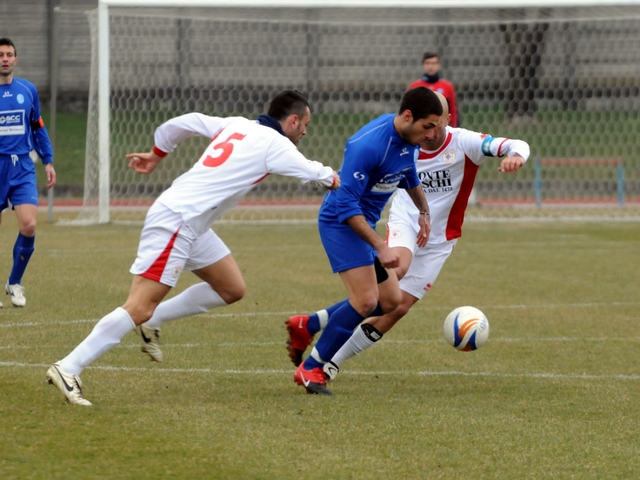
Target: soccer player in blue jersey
[[21, 131], [379, 158]]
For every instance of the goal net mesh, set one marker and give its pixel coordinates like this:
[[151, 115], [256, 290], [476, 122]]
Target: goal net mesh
[[566, 80]]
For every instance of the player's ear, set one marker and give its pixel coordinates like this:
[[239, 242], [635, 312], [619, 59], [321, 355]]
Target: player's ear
[[407, 116]]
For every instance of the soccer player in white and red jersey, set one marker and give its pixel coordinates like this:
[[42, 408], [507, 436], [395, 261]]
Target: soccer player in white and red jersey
[[447, 167], [177, 232]]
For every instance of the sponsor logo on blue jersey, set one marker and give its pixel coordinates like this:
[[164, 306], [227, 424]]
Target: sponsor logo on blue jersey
[[486, 146], [388, 183], [12, 122]]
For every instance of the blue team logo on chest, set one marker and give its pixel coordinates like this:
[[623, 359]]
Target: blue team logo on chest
[[20, 98], [12, 122]]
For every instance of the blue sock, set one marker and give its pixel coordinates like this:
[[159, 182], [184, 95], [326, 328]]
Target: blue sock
[[22, 251], [313, 326], [340, 327], [377, 312]]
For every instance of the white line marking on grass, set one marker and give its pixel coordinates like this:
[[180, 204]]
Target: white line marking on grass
[[568, 376], [285, 314], [424, 373], [46, 324], [386, 342]]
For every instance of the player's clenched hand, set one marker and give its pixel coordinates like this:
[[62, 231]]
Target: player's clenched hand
[[336, 181], [511, 164], [143, 162], [388, 257]]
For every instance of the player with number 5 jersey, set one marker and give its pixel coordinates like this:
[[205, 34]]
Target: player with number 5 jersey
[[177, 232], [242, 153]]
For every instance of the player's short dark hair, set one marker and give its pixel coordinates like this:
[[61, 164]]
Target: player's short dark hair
[[7, 41], [429, 54], [422, 102], [288, 102]]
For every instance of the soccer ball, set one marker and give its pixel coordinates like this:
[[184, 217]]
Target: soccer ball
[[466, 328]]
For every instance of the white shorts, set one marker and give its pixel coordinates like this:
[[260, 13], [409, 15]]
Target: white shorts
[[168, 246], [426, 262]]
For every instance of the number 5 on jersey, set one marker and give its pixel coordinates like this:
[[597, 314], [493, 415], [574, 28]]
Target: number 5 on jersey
[[227, 148]]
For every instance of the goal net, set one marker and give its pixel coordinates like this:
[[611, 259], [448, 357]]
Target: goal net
[[565, 79]]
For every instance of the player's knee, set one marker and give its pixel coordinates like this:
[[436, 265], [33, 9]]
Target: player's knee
[[400, 311], [28, 229], [364, 305], [139, 315], [233, 293]]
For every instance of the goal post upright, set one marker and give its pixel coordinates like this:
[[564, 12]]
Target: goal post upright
[[104, 94]]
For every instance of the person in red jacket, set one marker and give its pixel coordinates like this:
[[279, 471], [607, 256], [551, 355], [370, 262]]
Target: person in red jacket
[[431, 79]]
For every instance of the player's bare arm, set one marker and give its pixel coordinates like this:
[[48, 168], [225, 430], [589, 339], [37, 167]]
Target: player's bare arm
[[144, 162], [388, 258], [424, 219], [511, 164]]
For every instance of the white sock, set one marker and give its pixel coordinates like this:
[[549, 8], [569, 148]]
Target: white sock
[[316, 356], [196, 299], [105, 335], [323, 317], [357, 343]]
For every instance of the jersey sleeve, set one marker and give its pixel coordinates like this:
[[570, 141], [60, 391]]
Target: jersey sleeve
[[40, 136], [283, 158], [169, 135]]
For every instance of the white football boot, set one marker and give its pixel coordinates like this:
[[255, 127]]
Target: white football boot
[[17, 294], [150, 342], [69, 385]]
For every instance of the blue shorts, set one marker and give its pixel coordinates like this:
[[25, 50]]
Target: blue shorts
[[345, 249], [17, 182]]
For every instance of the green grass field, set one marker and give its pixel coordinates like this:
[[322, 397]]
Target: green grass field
[[553, 394]]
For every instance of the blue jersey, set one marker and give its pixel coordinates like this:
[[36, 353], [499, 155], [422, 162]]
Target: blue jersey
[[21, 126], [376, 162]]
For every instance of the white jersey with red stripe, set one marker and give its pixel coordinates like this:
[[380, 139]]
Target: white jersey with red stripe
[[447, 175], [241, 154]]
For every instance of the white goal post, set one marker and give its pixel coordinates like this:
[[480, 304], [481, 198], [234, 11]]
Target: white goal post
[[473, 52]]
